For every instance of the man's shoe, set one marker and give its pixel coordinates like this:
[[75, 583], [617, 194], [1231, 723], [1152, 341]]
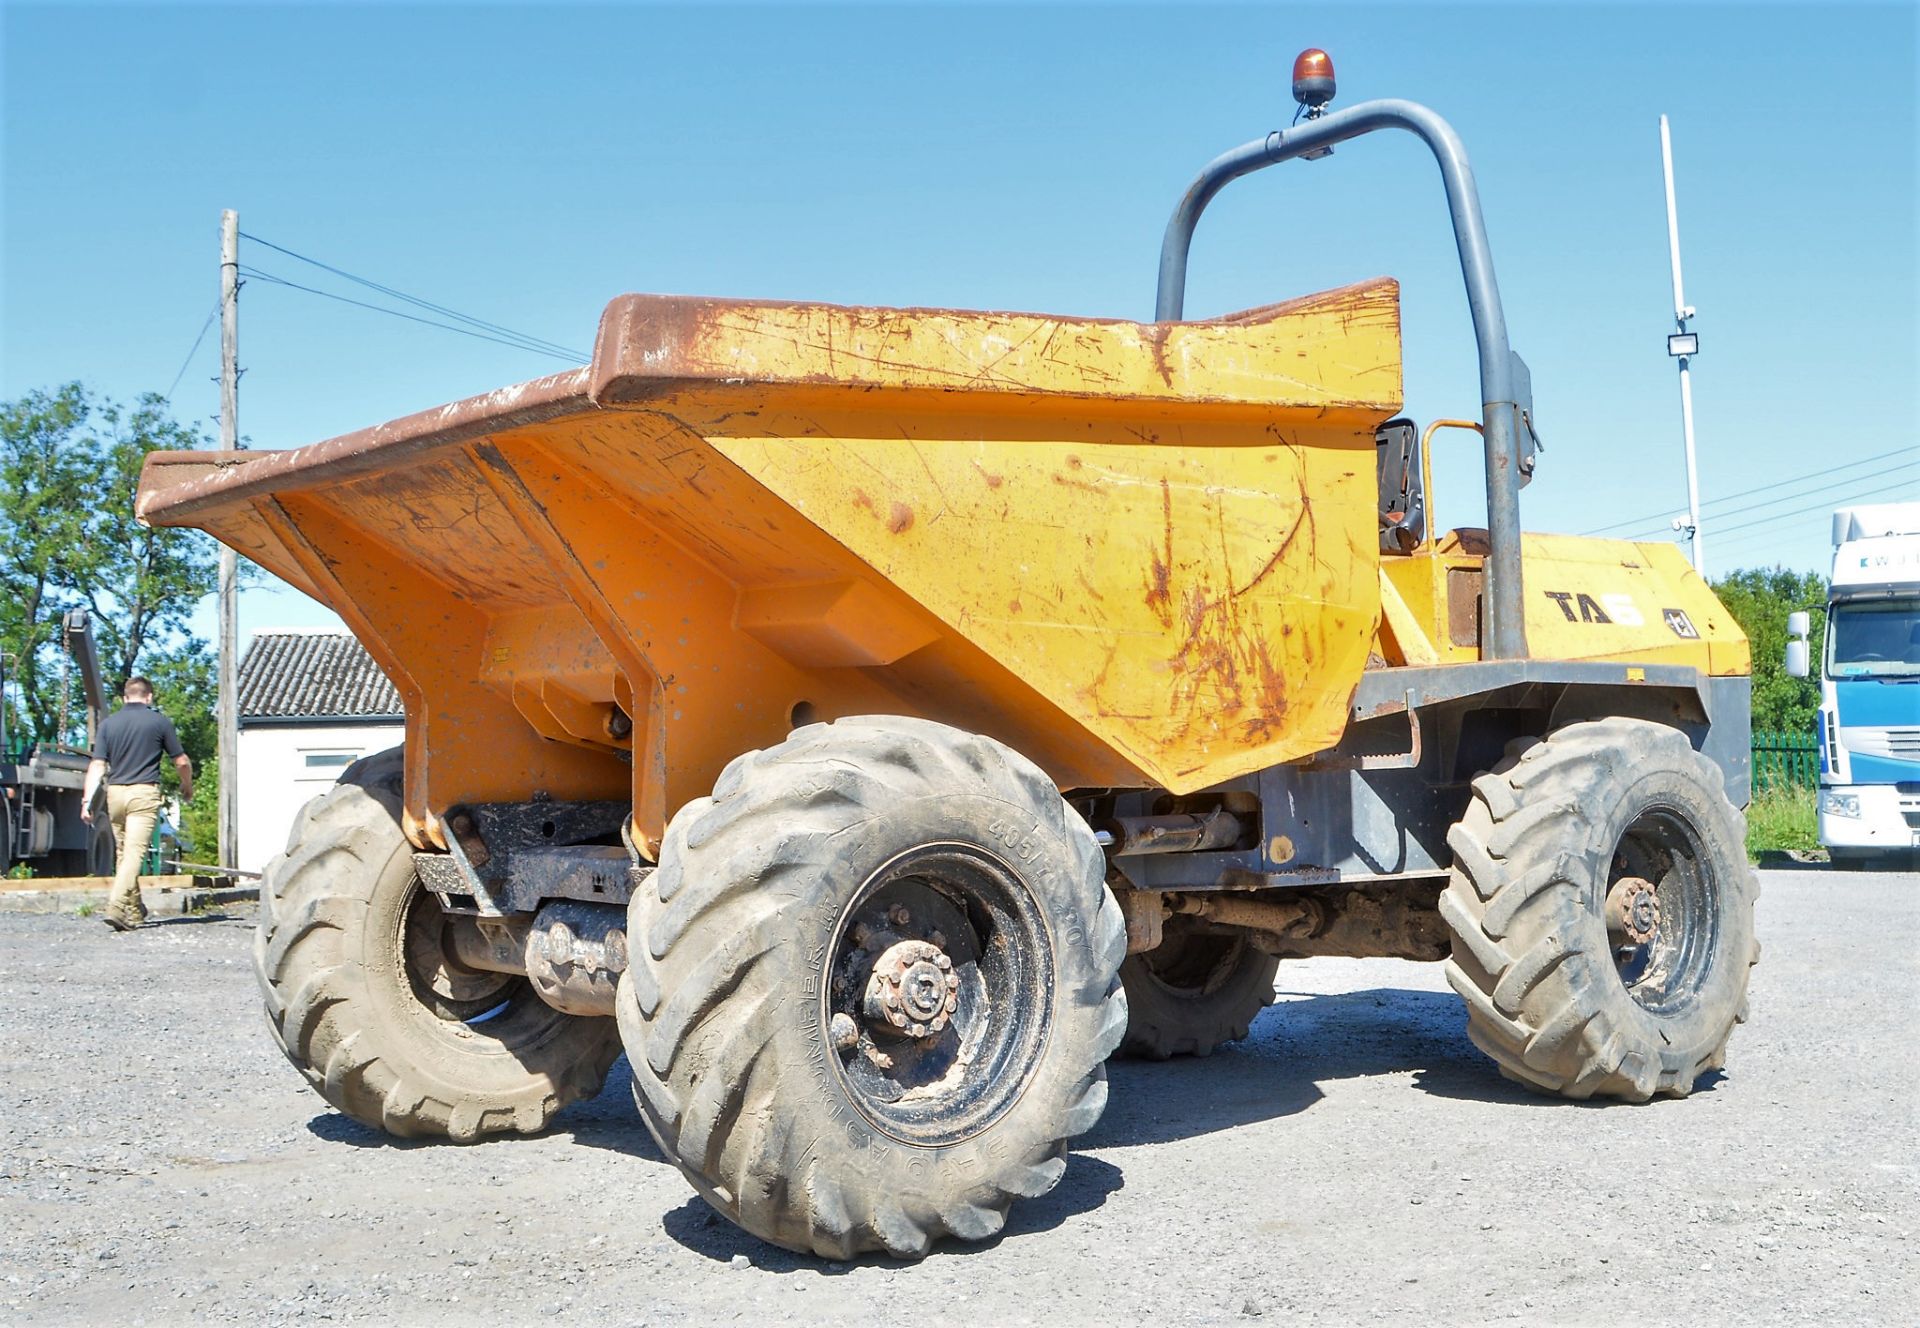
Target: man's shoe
[[115, 922]]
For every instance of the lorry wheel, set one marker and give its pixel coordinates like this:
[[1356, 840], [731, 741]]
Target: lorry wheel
[[103, 856], [363, 1000], [1601, 909], [1197, 990], [873, 986]]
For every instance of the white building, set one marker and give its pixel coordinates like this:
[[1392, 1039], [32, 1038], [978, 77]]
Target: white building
[[311, 704]]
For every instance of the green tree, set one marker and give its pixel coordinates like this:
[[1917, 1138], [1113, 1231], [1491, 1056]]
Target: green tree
[[69, 467], [1760, 600], [44, 482]]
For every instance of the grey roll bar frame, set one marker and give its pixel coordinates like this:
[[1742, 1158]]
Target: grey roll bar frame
[[1500, 413]]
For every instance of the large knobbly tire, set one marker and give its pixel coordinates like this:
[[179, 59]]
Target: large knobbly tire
[[1557, 1002], [763, 922], [383, 1038], [1196, 991]]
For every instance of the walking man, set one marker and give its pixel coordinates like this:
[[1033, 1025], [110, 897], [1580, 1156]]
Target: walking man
[[126, 754]]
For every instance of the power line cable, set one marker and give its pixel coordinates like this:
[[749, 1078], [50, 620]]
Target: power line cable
[[415, 300], [211, 315], [1824, 505], [550, 347], [259, 275], [1747, 493], [1793, 497]]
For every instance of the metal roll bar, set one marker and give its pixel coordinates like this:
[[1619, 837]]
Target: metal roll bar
[[1500, 384]]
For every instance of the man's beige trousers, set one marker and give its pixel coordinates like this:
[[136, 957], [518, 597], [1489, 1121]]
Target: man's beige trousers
[[133, 809]]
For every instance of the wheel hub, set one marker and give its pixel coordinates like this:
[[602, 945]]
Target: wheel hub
[[912, 990], [1633, 910]]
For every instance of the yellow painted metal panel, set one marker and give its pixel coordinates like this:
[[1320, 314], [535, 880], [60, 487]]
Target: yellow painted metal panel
[[1205, 610], [1617, 600]]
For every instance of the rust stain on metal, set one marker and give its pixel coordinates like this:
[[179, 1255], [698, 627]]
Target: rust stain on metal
[[899, 518], [1157, 334], [1160, 574]]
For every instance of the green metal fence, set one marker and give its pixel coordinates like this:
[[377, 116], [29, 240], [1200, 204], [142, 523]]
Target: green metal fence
[[1785, 761]]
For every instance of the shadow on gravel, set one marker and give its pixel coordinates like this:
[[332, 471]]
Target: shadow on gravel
[[1085, 1186], [1301, 1042], [607, 1121], [333, 1128]]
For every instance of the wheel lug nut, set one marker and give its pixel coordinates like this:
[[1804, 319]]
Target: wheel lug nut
[[899, 916], [941, 961], [844, 1032]]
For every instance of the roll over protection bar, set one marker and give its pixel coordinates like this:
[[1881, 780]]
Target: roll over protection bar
[[1503, 380]]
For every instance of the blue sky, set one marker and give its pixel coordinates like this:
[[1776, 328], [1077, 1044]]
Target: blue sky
[[526, 163]]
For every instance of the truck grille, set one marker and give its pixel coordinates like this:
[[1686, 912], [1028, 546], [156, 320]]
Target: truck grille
[[1892, 744]]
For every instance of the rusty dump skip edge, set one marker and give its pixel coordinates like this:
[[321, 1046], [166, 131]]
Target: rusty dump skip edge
[[210, 481], [643, 346]]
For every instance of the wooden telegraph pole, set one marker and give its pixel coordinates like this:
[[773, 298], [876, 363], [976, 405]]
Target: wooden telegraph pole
[[229, 788]]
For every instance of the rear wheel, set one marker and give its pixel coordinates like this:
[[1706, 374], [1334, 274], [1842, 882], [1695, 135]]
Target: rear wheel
[[104, 855], [365, 1000], [876, 989], [101, 856], [1195, 991], [1601, 908]]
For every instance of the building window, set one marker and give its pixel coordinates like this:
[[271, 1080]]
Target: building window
[[329, 760]]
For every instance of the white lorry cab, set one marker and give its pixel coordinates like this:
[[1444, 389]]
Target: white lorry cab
[[1869, 725]]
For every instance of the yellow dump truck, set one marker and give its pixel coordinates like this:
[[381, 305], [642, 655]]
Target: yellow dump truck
[[872, 719]]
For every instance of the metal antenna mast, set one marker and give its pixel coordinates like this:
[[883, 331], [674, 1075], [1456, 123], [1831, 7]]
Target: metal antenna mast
[[1683, 346]]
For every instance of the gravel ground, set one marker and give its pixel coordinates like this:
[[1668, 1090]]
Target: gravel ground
[[1355, 1160]]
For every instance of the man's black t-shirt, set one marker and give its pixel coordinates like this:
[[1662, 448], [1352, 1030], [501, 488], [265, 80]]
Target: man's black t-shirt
[[131, 740]]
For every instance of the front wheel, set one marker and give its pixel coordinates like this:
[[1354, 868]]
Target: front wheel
[[1601, 909], [873, 987], [365, 1000]]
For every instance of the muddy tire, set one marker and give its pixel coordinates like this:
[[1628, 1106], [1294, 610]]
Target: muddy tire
[[1198, 990], [362, 1000], [1559, 1002], [852, 851]]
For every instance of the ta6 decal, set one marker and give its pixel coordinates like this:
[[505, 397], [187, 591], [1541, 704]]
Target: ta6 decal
[[1578, 606]]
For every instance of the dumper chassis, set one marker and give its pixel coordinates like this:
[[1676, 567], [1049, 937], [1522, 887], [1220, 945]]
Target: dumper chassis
[[872, 720]]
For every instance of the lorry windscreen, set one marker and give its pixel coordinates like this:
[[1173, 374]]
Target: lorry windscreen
[[1876, 639]]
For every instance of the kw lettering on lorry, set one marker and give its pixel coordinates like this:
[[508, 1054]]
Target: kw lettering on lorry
[[873, 862]]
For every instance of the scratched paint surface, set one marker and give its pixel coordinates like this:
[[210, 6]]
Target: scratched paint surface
[[1205, 610]]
